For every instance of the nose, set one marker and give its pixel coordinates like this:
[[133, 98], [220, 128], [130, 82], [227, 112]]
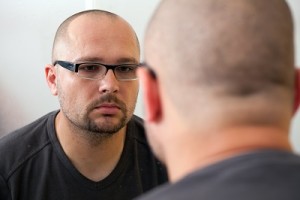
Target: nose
[[109, 84]]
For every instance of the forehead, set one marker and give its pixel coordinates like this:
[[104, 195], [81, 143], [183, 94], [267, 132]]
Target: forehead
[[89, 23], [96, 35]]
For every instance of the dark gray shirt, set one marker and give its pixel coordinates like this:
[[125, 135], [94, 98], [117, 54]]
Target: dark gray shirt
[[261, 175], [33, 166]]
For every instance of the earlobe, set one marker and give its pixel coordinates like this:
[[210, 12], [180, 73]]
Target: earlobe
[[151, 95], [297, 90], [51, 78]]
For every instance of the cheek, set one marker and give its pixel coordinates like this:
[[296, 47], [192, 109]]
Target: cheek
[[130, 91], [73, 100], [129, 94], [133, 93], [70, 92]]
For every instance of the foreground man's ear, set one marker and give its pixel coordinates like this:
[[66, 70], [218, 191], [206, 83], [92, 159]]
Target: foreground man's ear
[[151, 96]]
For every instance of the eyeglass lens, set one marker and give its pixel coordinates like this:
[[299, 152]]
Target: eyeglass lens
[[98, 71]]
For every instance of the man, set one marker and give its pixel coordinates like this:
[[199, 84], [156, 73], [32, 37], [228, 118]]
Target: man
[[219, 94], [93, 148]]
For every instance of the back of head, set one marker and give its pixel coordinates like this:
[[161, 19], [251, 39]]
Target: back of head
[[233, 56]]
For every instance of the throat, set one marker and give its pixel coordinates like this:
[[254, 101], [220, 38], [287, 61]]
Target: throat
[[97, 158]]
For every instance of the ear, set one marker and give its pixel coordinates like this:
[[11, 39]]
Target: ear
[[51, 78], [297, 90], [151, 95]]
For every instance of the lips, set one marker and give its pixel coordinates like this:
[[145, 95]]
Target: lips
[[108, 108]]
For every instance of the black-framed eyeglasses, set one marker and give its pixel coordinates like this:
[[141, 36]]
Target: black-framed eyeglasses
[[96, 71]]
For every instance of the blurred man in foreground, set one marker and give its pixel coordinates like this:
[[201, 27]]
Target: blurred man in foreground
[[220, 95]]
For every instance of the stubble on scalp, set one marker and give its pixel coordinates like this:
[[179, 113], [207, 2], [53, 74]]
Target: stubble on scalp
[[61, 37], [214, 50]]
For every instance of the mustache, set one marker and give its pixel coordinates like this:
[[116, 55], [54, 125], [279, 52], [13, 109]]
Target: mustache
[[107, 98]]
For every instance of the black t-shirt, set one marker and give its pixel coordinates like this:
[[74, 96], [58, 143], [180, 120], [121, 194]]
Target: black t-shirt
[[261, 175], [33, 166]]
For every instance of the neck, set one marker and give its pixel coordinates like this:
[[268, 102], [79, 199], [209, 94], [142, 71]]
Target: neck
[[202, 151], [94, 157]]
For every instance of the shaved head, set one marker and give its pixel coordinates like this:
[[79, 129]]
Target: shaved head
[[62, 34], [234, 48]]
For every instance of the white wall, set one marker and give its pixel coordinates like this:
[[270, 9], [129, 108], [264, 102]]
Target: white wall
[[27, 31]]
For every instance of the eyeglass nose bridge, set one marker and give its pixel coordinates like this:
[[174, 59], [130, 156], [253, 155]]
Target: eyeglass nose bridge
[[108, 67]]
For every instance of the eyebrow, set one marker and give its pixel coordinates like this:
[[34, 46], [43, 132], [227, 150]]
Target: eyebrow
[[98, 59]]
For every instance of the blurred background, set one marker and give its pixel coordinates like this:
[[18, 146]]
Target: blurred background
[[27, 32]]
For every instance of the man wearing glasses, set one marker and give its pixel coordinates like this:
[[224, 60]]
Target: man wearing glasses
[[93, 147]]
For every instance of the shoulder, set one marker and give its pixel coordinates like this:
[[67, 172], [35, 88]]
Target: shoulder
[[21, 144], [161, 192], [264, 175], [27, 132]]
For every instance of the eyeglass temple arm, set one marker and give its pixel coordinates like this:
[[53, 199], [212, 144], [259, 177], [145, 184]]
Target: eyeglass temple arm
[[67, 65]]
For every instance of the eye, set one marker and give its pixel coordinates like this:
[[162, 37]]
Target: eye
[[126, 68], [89, 68]]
